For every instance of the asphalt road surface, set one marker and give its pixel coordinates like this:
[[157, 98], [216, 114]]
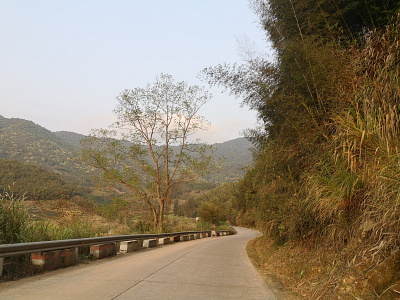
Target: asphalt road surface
[[209, 268]]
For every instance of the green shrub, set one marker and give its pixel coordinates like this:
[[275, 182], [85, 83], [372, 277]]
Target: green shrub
[[212, 212], [204, 225]]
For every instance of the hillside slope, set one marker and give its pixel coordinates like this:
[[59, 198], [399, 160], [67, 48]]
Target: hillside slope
[[32, 181], [30, 143], [24, 141], [236, 155]]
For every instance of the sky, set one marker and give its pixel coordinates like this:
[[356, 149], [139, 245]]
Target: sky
[[63, 63]]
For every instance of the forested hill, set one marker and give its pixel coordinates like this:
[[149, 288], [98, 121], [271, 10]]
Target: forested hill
[[71, 138], [32, 144], [237, 156], [235, 150], [235, 153]]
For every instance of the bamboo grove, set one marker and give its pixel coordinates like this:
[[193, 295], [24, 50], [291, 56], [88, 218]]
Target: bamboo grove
[[326, 159]]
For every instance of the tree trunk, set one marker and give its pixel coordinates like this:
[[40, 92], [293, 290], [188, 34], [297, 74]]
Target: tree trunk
[[160, 220]]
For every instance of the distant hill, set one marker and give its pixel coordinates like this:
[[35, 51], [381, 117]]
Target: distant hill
[[32, 181], [236, 154], [71, 138], [237, 157], [30, 143], [24, 141]]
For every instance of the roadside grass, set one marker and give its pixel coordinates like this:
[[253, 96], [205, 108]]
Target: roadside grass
[[298, 271], [263, 255]]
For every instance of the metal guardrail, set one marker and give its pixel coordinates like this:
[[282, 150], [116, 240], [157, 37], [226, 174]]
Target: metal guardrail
[[7, 250]]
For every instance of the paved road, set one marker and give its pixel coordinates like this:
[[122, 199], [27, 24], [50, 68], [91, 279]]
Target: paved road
[[210, 268]]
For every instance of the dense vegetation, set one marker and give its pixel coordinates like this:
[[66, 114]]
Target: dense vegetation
[[32, 181], [328, 153], [30, 143], [236, 157]]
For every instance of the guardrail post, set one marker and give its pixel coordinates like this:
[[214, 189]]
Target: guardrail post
[[1, 266]]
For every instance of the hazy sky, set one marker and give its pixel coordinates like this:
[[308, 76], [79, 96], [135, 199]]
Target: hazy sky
[[63, 62]]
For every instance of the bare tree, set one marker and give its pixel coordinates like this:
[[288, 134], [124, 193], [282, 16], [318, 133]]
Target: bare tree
[[148, 150]]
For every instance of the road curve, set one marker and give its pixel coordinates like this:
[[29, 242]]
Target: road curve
[[211, 268]]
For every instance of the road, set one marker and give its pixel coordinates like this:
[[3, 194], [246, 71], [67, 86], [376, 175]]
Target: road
[[209, 268]]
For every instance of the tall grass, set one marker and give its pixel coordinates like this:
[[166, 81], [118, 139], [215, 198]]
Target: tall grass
[[369, 132], [48, 230], [14, 218], [17, 227]]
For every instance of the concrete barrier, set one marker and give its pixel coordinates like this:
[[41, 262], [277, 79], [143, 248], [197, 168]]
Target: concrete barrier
[[164, 241], [150, 243], [175, 239], [184, 238], [67, 257], [129, 246], [104, 250], [51, 260]]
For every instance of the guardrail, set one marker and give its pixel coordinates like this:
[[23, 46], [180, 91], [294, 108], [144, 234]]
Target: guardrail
[[8, 250]]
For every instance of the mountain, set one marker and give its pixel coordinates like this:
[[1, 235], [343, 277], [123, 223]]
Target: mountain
[[27, 142], [33, 181], [31, 144], [236, 155], [71, 138]]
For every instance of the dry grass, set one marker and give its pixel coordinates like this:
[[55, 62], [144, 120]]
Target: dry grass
[[300, 272]]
